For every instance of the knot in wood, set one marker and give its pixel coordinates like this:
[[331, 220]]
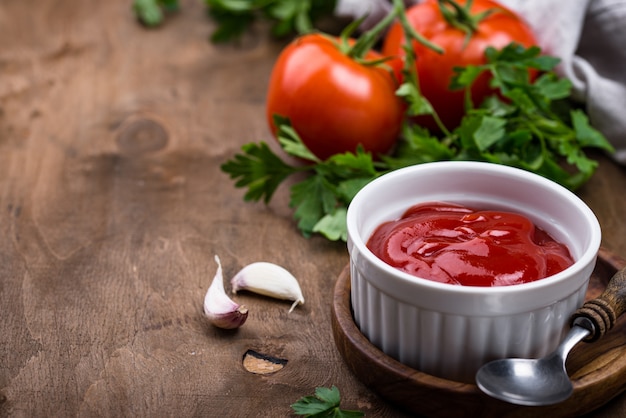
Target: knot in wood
[[141, 136]]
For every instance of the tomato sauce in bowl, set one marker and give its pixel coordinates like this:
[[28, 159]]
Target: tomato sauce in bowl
[[454, 244]]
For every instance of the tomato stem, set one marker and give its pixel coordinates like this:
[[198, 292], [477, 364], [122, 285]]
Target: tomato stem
[[369, 38], [461, 17], [410, 31], [410, 68]]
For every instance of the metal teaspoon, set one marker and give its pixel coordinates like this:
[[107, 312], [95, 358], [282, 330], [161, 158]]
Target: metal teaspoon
[[545, 381]]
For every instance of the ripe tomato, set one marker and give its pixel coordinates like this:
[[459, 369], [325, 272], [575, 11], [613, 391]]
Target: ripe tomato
[[334, 102], [435, 70]]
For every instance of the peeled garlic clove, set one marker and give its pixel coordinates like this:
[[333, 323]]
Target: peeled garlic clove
[[268, 279], [219, 309]]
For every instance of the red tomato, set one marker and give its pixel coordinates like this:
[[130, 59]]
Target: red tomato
[[334, 102], [436, 70]]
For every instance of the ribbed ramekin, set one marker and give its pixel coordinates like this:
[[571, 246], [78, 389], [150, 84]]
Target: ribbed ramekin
[[450, 331]]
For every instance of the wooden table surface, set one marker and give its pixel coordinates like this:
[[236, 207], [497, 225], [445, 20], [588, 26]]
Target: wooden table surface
[[113, 206]]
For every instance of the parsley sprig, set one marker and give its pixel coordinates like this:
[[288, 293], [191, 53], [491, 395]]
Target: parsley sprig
[[321, 199], [325, 403], [528, 125]]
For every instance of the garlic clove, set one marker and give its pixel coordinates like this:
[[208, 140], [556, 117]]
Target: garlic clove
[[219, 309], [268, 279]]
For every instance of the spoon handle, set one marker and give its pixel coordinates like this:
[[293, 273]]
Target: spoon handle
[[604, 310]]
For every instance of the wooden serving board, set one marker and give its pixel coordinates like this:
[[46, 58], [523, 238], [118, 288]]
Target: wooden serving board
[[597, 370]]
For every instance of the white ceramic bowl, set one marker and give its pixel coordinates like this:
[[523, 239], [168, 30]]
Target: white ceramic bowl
[[446, 330]]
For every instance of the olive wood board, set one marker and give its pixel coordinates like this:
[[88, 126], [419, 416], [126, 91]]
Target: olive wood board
[[597, 370]]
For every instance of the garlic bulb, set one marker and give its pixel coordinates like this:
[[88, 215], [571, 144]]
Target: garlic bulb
[[219, 309], [268, 279]]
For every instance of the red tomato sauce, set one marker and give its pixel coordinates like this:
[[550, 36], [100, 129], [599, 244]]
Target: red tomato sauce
[[454, 244]]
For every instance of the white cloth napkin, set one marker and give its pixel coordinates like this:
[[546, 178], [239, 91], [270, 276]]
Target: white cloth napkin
[[589, 36]]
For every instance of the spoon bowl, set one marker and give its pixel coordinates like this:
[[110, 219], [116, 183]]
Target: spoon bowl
[[545, 381], [531, 382]]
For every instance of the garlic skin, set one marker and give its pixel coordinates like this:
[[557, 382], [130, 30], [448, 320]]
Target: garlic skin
[[268, 279], [219, 309]]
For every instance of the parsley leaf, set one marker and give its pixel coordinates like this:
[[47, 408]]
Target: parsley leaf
[[587, 135], [290, 141], [313, 198], [258, 169], [333, 226], [150, 12], [325, 403]]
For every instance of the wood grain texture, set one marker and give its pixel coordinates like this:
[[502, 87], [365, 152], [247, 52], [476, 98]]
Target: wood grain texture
[[112, 205]]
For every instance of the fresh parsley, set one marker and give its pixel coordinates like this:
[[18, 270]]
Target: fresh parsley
[[325, 403], [529, 125], [234, 17]]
